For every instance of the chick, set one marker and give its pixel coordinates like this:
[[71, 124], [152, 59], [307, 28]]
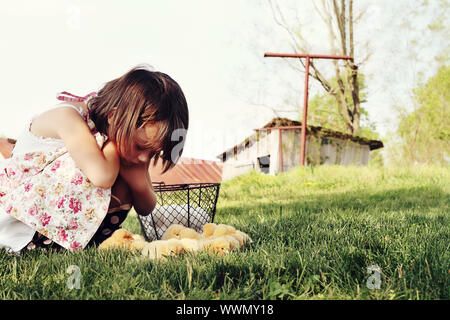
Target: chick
[[239, 238], [138, 237], [245, 237], [152, 249], [173, 232], [227, 230], [191, 244], [138, 245], [220, 245], [208, 230], [223, 230], [138, 242], [189, 233], [121, 238], [122, 234], [174, 247], [234, 243], [158, 249]]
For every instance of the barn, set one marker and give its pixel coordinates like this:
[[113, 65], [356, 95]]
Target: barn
[[276, 148]]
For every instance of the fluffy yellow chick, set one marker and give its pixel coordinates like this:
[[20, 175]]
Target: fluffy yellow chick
[[234, 243], [226, 230], [223, 230], [159, 248], [122, 234], [239, 238], [138, 242], [138, 245], [121, 238], [189, 233], [174, 247], [138, 237], [208, 230], [153, 249], [191, 244], [173, 232], [231, 229], [245, 237], [220, 245]]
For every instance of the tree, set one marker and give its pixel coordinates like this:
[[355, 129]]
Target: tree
[[339, 18], [425, 132], [323, 111]]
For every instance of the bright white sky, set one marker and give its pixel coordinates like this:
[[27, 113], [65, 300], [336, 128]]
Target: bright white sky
[[212, 48]]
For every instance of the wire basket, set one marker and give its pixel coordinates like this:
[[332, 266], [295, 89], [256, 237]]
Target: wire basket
[[192, 205]]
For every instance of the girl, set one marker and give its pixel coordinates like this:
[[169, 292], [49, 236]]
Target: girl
[[78, 168]]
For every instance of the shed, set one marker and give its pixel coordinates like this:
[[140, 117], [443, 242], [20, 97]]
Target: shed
[[276, 148]]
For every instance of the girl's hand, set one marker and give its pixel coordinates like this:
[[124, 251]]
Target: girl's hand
[[137, 177]]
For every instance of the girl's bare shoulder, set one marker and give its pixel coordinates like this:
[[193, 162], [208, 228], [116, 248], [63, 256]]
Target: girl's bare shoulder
[[46, 125]]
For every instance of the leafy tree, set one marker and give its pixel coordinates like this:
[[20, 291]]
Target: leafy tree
[[425, 132], [339, 18], [324, 111]]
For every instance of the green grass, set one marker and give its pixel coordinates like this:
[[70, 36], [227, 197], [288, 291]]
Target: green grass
[[315, 231]]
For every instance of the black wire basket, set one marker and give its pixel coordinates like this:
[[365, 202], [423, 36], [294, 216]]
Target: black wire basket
[[192, 205]]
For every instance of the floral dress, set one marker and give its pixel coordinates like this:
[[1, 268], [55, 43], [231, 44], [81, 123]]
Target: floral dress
[[42, 187]]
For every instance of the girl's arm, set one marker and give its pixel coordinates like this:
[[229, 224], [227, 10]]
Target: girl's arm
[[100, 166], [137, 177]]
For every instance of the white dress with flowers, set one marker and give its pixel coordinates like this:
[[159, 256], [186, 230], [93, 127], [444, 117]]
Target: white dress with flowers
[[43, 190]]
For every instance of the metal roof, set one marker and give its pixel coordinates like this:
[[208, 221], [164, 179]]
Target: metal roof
[[188, 170]]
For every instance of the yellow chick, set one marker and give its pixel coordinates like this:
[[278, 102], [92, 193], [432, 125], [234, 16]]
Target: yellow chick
[[152, 249], [191, 244], [189, 233], [138, 237], [234, 243], [138, 243], [208, 230], [158, 249], [222, 230], [174, 247], [239, 238], [173, 232], [231, 229], [121, 238], [245, 237], [220, 245], [122, 234]]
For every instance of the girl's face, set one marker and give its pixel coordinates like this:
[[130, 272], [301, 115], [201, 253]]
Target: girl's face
[[138, 154]]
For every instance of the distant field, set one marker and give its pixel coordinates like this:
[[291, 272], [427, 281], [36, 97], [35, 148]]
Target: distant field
[[316, 233]]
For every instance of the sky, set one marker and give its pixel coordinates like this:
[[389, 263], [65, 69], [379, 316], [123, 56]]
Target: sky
[[212, 48]]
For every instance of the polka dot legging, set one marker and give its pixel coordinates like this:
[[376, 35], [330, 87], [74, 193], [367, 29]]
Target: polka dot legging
[[113, 221]]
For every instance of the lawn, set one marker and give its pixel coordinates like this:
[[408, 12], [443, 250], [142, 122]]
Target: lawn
[[316, 231]]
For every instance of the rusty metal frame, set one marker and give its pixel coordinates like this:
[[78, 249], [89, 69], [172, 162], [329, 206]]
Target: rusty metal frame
[[280, 148], [308, 57]]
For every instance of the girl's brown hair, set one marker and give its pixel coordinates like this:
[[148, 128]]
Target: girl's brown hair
[[139, 97]]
